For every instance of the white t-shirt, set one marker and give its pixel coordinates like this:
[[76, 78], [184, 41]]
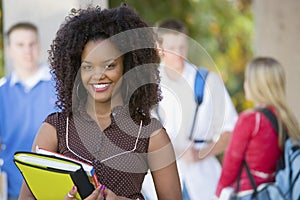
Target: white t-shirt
[[216, 114]]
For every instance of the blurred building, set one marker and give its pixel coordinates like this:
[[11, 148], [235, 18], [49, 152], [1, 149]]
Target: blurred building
[[277, 28]]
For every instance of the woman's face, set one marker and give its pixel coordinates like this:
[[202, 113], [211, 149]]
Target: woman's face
[[101, 68]]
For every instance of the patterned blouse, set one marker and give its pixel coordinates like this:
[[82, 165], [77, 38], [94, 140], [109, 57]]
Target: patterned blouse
[[118, 153]]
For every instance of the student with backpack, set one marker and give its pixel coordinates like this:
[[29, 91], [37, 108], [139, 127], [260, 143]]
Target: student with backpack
[[196, 111], [256, 145]]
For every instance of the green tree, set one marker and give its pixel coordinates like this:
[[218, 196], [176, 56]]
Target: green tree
[[223, 28]]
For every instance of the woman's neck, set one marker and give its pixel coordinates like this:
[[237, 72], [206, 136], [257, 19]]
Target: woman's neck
[[95, 109], [102, 109], [100, 113]]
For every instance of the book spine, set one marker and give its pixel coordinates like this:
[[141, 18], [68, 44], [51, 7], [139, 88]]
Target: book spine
[[87, 167], [84, 186], [95, 180]]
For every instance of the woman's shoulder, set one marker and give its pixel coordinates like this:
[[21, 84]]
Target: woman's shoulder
[[254, 112], [249, 115], [56, 115], [249, 112], [156, 123], [55, 118]]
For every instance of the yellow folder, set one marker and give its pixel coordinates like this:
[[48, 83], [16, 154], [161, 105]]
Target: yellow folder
[[51, 178]]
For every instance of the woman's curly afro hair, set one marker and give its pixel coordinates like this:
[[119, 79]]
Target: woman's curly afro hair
[[95, 23]]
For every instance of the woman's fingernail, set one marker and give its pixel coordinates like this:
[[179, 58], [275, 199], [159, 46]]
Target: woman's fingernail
[[73, 188]]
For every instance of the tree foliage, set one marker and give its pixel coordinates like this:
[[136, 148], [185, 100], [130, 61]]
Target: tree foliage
[[224, 28]]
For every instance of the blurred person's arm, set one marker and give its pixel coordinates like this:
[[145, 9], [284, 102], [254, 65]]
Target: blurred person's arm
[[218, 114], [214, 148]]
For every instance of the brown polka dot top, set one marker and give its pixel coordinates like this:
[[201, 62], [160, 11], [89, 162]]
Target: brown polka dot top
[[119, 153]]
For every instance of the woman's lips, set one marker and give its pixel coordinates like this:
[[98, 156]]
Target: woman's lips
[[101, 87]]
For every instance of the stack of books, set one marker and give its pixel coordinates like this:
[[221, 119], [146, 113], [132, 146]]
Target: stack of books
[[51, 175]]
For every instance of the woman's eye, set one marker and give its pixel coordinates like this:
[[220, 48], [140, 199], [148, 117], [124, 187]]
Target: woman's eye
[[110, 66], [87, 67]]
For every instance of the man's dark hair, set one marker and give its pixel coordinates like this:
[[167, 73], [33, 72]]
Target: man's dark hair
[[21, 26], [173, 24]]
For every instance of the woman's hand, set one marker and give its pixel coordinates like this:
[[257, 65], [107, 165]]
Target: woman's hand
[[100, 193], [96, 195]]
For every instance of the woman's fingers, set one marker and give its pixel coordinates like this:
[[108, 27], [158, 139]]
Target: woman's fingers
[[96, 195], [71, 194]]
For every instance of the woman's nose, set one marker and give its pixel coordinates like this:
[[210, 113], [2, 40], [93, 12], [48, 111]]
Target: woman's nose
[[99, 71]]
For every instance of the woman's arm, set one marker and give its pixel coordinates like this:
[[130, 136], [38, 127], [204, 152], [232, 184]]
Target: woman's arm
[[46, 138], [163, 166], [245, 128]]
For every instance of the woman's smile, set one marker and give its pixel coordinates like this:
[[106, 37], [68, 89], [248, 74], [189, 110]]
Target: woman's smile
[[101, 87], [101, 69]]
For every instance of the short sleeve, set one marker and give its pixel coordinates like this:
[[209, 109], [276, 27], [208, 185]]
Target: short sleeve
[[52, 119], [58, 121]]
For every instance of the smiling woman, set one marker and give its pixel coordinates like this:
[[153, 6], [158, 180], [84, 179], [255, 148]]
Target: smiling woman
[[100, 72], [105, 107]]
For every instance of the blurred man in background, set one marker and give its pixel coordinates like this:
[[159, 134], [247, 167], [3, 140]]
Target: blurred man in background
[[27, 96], [199, 130]]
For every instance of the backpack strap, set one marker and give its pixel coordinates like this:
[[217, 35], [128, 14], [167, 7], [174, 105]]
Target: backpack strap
[[272, 118], [200, 79], [252, 181]]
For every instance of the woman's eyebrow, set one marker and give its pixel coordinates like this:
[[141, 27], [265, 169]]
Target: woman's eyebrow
[[84, 61], [105, 61], [110, 60]]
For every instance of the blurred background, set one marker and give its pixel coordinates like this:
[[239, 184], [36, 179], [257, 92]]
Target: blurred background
[[231, 31]]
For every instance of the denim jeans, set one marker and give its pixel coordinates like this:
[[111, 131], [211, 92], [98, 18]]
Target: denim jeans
[[12, 197], [185, 194]]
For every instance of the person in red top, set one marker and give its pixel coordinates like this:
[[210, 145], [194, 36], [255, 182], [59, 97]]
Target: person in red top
[[254, 139]]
